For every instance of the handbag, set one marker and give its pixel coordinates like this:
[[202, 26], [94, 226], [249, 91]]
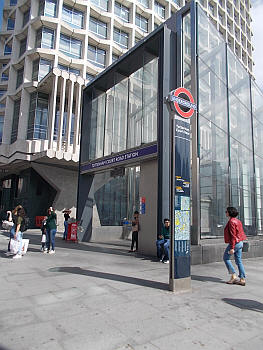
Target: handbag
[[14, 245], [43, 238], [7, 225], [245, 248]]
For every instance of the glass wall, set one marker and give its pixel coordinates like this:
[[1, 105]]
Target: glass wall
[[230, 174], [15, 120], [125, 116], [38, 116], [257, 110], [213, 128], [117, 197]]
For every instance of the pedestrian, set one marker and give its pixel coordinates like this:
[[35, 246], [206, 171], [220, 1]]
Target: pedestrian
[[234, 235], [18, 215], [66, 217], [51, 231], [163, 242], [135, 231], [44, 233]]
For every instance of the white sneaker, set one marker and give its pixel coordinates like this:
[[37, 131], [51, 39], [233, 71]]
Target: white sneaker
[[17, 256], [166, 261], [45, 251], [52, 252]]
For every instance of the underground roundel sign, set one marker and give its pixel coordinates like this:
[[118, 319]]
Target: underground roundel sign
[[182, 102]]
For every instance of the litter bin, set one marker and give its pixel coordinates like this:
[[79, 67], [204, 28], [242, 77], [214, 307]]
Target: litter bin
[[72, 231]]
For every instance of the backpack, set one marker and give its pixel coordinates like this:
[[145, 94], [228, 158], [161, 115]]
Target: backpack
[[25, 224]]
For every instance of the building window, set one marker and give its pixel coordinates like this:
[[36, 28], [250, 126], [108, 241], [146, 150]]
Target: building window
[[98, 27], [70, 46], [69, 69], [15, 121], [96, 56], [122, 11], [40, 69], [26, 17], [141, 22], [47, 8], [10, 24], [45, 38], [19, 77], [4, 77], [115, 57], [72, 16], [22, 47], [211, 8], [120, 37], [8, 49], [103, 4], [2, 92], [1, 127], [89, 76], [159, 9], [13, 2], [145, 3], [38, 116]]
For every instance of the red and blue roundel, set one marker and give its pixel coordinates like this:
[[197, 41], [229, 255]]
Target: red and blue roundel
[[182, 102]]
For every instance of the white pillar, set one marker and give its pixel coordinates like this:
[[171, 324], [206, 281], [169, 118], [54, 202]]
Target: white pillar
[[61, 111], [69, 114], [77, 116], [52, 111]]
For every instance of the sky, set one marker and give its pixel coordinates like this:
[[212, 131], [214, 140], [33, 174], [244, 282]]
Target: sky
[[257, 41], [257, 29]]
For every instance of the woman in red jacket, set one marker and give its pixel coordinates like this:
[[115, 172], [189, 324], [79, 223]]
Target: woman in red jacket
[[234, 235]]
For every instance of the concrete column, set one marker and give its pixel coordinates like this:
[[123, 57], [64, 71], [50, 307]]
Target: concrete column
[[69, 114], [23, 117], [77, 116], [61, 111], [52, 111]]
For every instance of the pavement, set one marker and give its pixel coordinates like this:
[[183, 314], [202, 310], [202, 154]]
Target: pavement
[[97, 296]]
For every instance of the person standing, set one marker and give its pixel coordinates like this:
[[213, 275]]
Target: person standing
[[16, 231], [234, 235], [135, 231], [163, 242], [66, 217], [51, 230]]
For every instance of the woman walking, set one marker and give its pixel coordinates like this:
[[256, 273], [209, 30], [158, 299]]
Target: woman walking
[[234, 235], [51, 227]]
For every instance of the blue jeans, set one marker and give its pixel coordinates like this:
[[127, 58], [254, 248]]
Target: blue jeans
[[51, 233], [163, 246], [66, 230], [238, 260]]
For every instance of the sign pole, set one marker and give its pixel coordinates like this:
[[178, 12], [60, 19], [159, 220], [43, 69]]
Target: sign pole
[[182, 108]]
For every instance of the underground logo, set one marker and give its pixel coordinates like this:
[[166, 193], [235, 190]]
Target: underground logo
[[182, 102]]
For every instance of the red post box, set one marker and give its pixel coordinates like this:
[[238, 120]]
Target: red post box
[[72, 232]]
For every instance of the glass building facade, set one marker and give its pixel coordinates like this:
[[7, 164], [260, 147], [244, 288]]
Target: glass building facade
[[124, 110], [229, 122]]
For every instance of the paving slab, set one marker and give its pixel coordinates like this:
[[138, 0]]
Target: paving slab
[[97, 296]]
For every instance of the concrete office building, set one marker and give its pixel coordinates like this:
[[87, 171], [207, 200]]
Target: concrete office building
[[49, 50], [125, 149]]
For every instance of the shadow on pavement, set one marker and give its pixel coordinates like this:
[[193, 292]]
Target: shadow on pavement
[[111, 276], [245, 304], [206, 279]]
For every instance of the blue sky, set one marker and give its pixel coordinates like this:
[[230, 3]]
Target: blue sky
[[257, 28]]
